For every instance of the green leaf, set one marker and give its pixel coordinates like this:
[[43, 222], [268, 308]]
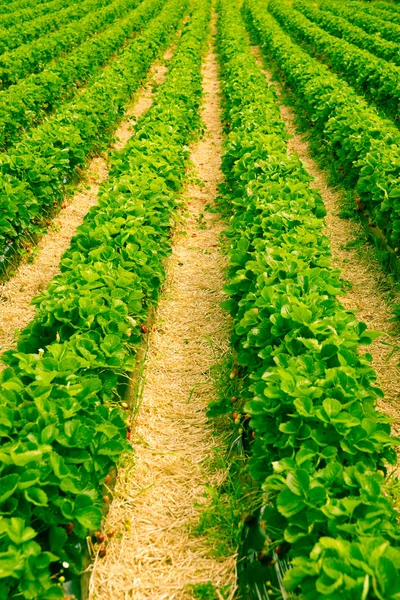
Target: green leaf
[[8, 485], [36, 496], [298, 482], [289, 504]]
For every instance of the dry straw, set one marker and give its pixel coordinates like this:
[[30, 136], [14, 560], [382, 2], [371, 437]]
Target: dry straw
[[159, 495]]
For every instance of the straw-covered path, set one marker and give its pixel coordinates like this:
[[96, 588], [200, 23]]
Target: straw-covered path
[[154, 555]]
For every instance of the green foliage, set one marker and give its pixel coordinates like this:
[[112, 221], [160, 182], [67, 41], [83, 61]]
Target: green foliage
[[377, 79], [341, 28], [368, 18], [34, 173], [321, 448], [26, 104], [62, 425], [18, 29], [203, 591], [364, 148], [33, 56]]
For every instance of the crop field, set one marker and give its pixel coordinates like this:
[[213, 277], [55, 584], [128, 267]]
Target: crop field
[[199, 300]]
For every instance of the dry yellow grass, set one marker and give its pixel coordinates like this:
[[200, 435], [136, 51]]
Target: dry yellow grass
[[153, 555]]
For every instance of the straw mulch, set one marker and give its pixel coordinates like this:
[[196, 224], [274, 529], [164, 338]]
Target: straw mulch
[[160, 492]]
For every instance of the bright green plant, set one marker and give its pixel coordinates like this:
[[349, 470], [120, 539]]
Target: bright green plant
[[63, 427], [374, 77], [319, 447], [34, 172], [33, 56], [369, 20], [363, 148], [341, 28], [26, 104]]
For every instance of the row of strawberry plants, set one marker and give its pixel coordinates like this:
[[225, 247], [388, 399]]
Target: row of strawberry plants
[[380, 12], [377, 79], [26, 104], [388, 7], [363, 148], [368, 22], [63, 425], [34, 174], [23, 32], [341, 28], [9, 6], [28, 14], [319, 447], [33, 57]]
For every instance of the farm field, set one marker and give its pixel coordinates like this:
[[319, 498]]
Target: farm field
[[199, 300]]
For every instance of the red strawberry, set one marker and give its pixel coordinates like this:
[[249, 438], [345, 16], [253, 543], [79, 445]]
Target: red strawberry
[[69, 528], [102, 551]]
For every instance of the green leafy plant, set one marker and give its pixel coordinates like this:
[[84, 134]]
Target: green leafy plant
[[377, 79], [363, 148], [35, 172], [319, 448], [32, 57], [372, 20], [341, 28], [62, 423]]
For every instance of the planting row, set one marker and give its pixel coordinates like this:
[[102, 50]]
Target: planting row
[[393, 8], [319, 448], [34, 173], [63, 424], [341, 28], [368, 22], [374, 77], [33, 57], [26, 104], [24, 32], [363, 148], [380, 12], [28, 14], [9, 6]]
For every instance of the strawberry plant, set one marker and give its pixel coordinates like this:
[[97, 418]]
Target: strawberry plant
[[372, 76], [369, 21], [23, 31], [33, 56], [63, 424], [320, 451], [26, 104], [341, 28], [362, 147], [34, 173]]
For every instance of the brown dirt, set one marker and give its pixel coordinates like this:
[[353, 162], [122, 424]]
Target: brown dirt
[[32, 277], [153, 555], [359, 267]]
